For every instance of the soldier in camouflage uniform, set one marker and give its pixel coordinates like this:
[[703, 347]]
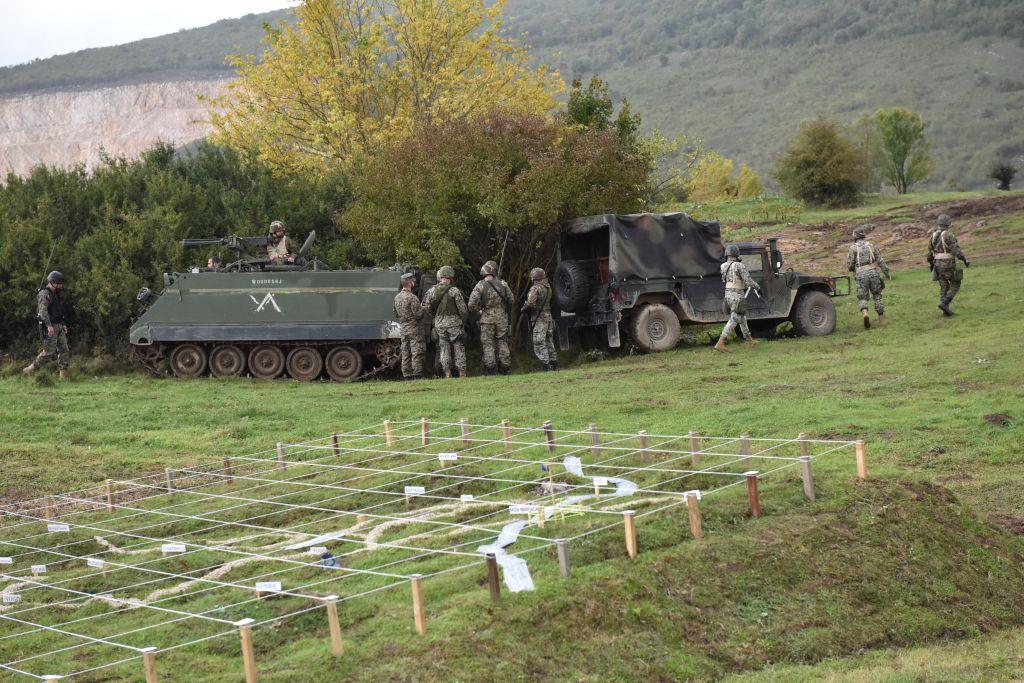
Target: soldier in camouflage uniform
[[943, 251], [448, 307], [409, 313], [864, 260], [491, 299], [538, 300], [737, 282], [52, 330], [282, 250]]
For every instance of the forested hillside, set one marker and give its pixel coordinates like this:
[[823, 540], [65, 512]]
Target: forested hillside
[[741, 74]]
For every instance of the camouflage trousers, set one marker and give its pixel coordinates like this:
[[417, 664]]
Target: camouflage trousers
[[869, 284], [56, 345], [544, 339], [451, 341], [949, 277], [494, 340], [737, 304], [413, 351]]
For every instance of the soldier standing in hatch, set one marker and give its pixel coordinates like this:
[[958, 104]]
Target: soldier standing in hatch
[[410, 313], [282, 250], [864, 260], [943, 251], [737, 281], [52, 330], [491, 299], [538, 300], [446, 304]]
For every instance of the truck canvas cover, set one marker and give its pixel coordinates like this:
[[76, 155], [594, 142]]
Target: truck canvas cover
[[645, 245]]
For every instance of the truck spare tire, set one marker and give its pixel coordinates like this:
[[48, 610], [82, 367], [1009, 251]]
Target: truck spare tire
[[572, 286]]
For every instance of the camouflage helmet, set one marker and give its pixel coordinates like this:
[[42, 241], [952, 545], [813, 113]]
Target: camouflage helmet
[[860, 233], [275, 225], [943, 220], [408, 277], [489, 268], [445, 271], [537, 274], [55, 278], [732, 251]]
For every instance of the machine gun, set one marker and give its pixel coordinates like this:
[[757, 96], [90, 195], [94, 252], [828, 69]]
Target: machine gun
[[245, 261]]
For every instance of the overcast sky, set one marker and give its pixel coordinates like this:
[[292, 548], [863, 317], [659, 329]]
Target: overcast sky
[[31, 29]]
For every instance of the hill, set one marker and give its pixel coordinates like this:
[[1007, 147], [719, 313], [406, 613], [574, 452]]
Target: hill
[[739, 74]]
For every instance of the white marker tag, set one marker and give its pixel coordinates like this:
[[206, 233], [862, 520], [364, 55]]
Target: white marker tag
[[523, 509], [600, 481], [11, 598], [415, 490], [268, 586], [93, 562], [318, 550], [447, 457], [467, 498], [6, 560], [39, 569], [172, 548], [58, 527]]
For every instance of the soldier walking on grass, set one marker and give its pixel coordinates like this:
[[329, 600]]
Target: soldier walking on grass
[[738, 284], [538, 300], [864, 260], [409, 313], [447, 306], [943, 251], [491, 299], [52, 329]]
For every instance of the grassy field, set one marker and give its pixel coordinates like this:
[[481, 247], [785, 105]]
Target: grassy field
[[919, 556]]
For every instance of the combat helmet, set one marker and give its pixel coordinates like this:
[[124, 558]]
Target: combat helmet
[[275, 225], [537, 274], [859, 233], [732, 251], [489, 268], [445, 271], [943, 220], [408, 277], [55, 278]]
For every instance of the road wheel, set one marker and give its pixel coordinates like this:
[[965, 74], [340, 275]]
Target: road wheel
[[655, 327], [344, 364], [227, 361], [572, 286], [814, 314], [305, 363], [266, 362], [188, 360]]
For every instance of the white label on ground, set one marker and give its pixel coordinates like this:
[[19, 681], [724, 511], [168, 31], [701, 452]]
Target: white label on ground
[[39, 569], [172, 548], [58, 527], [6, 560], [600, 481], [447, 457], [11, 598], [523, 509], [318, 550], [467, 497], [268, 586], [93, 562], [415, 490]]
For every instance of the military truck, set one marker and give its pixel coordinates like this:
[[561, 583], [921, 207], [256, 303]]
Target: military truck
[[269, 320], [644, 275]]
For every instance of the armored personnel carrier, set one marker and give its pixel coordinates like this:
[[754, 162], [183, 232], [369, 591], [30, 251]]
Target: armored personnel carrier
[[269, 320]]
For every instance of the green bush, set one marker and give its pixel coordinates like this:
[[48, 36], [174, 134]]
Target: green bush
[[822, 166]]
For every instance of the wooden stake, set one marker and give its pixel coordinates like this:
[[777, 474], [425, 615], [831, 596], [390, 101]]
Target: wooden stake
[[425, 431], [563, 558], [549, 435], [753, 496], [389, 436], [169, 476], [280, 457], [360, 519], [506, 433], [595, 440], [862, 464], [418, 615], [805, 448], [334, 444], [149, 665], [694, 449], [110, 495], [248, 654], [694, 511], [629, 519], [492, 577], [597, 490], [805, 472], [745, 448], [642, 437], [464, 426], [228, 470], [331, 602], [540, 516]]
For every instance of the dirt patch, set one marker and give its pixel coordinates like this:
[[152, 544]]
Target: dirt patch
[[998, 419], [956, 478], [1014, 523]]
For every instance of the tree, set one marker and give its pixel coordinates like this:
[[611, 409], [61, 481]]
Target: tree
[[905, 158], [349, 76], [1003, 173], [822, 166], [713, 178]]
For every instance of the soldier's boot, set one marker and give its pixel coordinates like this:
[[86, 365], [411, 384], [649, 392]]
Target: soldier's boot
[[946, 310], [447, 374], [504, 369], [488, 370], [867, 320], [751, 341], [720, 346], [882, 322], [545, 366], [64, 373], [29, 371], [554, 365]]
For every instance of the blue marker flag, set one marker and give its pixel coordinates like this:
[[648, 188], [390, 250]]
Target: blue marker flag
[[543, 467]]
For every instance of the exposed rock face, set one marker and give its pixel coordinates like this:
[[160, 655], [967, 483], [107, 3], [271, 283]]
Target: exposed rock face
[[72, 127]]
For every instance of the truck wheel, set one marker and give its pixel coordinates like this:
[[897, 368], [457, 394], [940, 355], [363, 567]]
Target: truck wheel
[[655, 327], [344, 364], [304, 363], [227, 361], [572, 286], [188, 360], [814, 314], [266, 362]]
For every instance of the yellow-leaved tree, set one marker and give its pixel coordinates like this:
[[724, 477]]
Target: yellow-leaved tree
[[349, 76]]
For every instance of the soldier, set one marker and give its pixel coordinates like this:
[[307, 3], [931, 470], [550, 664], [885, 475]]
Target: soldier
[[282, 250], [491, 299], [943, 251], [447, 306], [410, 313], [214, 263], [52, 329], [539, 300], [737, 284], [864, 260]]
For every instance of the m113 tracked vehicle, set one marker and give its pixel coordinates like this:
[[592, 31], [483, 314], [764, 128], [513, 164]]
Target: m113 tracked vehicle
[[269, 320]]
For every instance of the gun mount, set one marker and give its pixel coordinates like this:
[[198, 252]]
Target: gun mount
[[246, 261]]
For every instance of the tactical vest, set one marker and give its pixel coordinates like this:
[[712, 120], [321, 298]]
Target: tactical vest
[[447, 305], [545, 304], [862, 249], [733, 278], [55, 308], [939, 241]]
